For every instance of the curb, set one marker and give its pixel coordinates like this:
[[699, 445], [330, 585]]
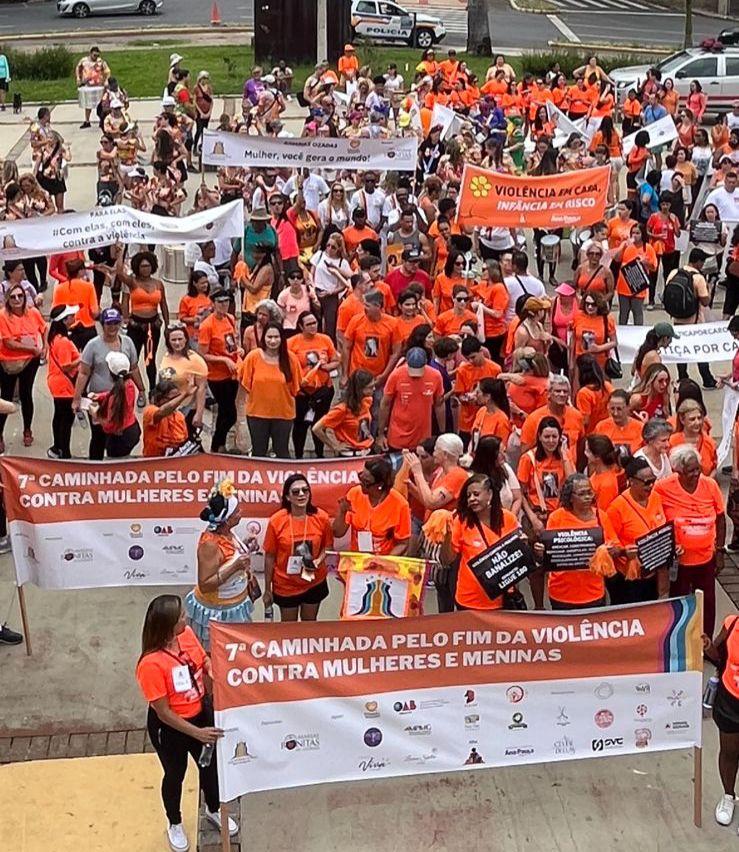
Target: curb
[[609, 48], [524, 11], [79, 35]]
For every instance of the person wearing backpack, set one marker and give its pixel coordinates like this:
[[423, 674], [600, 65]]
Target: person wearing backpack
[[521, 285], [685, 298]]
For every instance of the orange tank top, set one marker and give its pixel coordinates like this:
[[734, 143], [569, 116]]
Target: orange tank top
[[235, 589], [143, 302]]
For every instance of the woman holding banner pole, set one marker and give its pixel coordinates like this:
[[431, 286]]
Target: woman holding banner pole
[[174, 674]]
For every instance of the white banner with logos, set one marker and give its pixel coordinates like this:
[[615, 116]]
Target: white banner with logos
[[103, 226], [238, 149], [661, 132], [708, 341]]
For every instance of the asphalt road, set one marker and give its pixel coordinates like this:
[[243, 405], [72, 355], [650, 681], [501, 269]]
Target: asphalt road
[[614, 21]]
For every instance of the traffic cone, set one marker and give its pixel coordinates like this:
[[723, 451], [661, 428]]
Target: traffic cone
[[215, 16]]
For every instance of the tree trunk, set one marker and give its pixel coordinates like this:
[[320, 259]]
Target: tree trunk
[[688, 40], [478, 31]]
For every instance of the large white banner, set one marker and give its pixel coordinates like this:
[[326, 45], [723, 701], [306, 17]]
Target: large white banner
[[103, 226], [238, 149], [447, 119], [708, 341], [660, 133], [341, 701]]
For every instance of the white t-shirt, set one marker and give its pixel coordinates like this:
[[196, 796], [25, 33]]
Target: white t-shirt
[[511, 483], [315, 189], [732, 120], [727, 203], [393, 84], [325, 283], [333, 216], [497, 239], [372, 203], [513, 283], [259, 199], [665, 182]]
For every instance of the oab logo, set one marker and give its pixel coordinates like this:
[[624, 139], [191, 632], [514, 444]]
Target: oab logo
[[162, 530]]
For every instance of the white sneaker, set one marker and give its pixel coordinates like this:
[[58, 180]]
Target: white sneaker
[[178, 841], [5, 544], [215, 818], [725, 810]]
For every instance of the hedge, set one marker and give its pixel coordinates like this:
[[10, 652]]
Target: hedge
[[539, 62], [48, 63]]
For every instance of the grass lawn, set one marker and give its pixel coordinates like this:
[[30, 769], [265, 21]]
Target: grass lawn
[[143, 72]]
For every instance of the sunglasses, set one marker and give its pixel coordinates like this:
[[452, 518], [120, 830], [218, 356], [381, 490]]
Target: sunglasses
[[17, 296], [459, 263], [461, 298], [297, 491], [647, 483]]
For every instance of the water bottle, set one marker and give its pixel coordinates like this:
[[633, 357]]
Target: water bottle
[[82, 419], [269, 613], [709, 694], [206, 755]]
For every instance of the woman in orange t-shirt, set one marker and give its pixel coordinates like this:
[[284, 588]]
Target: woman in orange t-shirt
[[442, 293], [494, 416], [171, 676], [594, 276], [592, 397], [269, 381], [195, 305], [631, 301], [22, 332], [480, 522], [529, 388], [64, 359], [636, 161], [605, 474], [593, 331], [346, 428], [164, 426], [377, 515], [443, 492], [318, 359], [691, 420], [578, 589], [295, 544]]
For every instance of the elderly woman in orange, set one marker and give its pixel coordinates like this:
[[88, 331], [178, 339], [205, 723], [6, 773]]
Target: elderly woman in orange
[[691, 421], [224, 562], [295, 545], [578, 589], [480, 522], [694, 503], [377, 515]]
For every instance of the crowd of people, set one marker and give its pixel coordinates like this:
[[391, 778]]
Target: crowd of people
[[359, 317]]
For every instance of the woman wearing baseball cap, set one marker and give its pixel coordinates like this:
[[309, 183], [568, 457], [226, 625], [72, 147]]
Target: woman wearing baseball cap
[[116, 408]]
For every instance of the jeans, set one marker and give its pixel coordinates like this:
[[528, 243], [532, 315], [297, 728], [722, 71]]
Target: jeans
[[633, 305], [319, 402], [262, 429], [692, 577], [172, 748], [61, 426], [224, 393], [25, 380]]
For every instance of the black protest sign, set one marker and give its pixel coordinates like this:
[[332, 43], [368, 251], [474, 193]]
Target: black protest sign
[[635, 276], [656, 549], [570, 550], [503, 564], [705, 232]]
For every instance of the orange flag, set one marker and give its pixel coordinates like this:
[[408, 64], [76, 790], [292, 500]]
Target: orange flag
[[572, 199]]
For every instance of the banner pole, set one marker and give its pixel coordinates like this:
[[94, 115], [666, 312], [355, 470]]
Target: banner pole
[[697, 786], [24, 619], [225, 839]]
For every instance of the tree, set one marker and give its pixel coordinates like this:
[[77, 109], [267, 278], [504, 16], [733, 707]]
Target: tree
[[478, 27], [688, 38]]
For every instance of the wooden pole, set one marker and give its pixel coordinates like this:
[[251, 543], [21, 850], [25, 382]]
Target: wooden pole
[[24, 620], [225, 839], [697, 786]]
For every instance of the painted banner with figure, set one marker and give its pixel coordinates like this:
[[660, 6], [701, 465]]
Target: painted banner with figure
[[238, 149], [707, 341], [315, 702], [103, 226], [77, 525], [381, 586], [572, 199]]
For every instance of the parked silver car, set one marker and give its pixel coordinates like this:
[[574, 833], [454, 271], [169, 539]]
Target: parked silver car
[[85, 8]]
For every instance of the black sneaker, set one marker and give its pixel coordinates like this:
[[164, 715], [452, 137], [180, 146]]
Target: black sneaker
[[9, 637], [85, 125], [710, 385], [732, 547]]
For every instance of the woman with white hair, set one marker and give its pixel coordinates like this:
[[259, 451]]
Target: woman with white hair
[[695, 505], [656, 436], [449, 478]]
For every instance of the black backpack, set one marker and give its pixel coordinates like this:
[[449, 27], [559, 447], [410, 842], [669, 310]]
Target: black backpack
[[679, 296]]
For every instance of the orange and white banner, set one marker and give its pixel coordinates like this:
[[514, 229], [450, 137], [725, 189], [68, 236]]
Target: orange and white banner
[[77, 525], [572, 199], [311, 702]]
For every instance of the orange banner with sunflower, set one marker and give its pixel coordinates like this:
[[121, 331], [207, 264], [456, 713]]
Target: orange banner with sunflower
[[572, 199]]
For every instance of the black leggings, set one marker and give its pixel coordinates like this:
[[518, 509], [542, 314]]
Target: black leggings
[[224, 393], [32, 265], [320, 402], [25, 380], [262, 429], [172, 748], [139, 329], [61, 426], [200, 125]]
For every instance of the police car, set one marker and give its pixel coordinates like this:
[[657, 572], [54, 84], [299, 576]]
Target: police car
[[382, 21]]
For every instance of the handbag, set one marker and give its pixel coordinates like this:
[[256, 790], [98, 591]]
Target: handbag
[[613, 367]]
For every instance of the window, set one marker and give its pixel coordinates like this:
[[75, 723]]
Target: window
[[389, 9], [366, 8], [732, 67], [705, 66]]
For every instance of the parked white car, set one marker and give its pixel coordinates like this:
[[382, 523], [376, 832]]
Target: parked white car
[[717, 72], [384, 21], [85, 8]]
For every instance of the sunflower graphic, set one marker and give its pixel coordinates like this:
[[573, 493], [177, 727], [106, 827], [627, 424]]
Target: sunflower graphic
[[480, 186]]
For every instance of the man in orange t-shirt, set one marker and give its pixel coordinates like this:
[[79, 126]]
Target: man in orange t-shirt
[[413, 391], [372, 341], [623, 429], [356, 232], [569, 418], [475, 367], [695, 505]]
